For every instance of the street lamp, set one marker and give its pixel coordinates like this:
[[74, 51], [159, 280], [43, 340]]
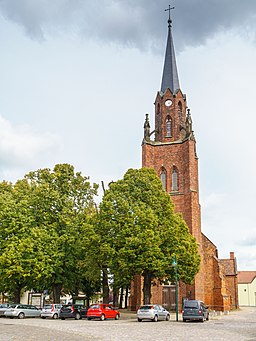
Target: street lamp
[[174, 264]]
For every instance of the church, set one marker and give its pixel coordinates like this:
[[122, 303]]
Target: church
[[172, 153]]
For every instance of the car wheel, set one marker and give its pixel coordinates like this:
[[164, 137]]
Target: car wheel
[[184, 320], [62, 318], [77, 316], [88, 318], [155, 319], [139, 320], [117, 317], [21, 315], [43, 317], [55, 316], [167, 317], [102, 318]]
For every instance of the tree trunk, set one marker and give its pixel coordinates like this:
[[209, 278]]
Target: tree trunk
[[147, 287], [115, 297], [105, 286], [87, 301], [56, 291], [16, 293]]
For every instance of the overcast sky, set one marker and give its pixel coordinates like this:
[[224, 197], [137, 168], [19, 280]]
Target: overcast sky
[[78, 76]]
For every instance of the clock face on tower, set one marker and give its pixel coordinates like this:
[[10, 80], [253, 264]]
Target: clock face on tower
[[168, 102]]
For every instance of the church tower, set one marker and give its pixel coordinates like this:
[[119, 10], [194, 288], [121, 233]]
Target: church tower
[[172, 153], [170, 149]]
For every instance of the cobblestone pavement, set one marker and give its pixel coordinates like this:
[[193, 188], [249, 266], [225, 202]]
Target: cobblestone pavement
[[237, 326]]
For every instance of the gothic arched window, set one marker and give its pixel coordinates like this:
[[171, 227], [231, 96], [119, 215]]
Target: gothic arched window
[[163, 178], [180, 113], [174, 179], [169, 127]]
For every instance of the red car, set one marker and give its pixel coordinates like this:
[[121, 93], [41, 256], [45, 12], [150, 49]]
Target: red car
[[102, 311]]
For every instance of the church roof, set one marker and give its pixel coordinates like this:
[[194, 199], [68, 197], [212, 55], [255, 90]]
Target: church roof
[[170, 77], [229, 266], [245, 277]]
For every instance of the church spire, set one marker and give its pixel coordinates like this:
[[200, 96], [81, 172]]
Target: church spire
[[170, 77]]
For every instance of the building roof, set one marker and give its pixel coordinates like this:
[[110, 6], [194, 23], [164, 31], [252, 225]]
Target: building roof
[[246, 276], [170, 77], [229, 266]]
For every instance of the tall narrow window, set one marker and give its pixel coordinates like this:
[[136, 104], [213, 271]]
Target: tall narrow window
[[163, 178], [169, 127], [180, 113], [174, 179]]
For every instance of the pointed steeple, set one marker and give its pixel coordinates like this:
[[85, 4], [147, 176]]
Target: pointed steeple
[[170, 77]]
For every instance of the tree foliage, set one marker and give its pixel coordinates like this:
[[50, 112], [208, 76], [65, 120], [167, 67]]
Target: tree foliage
[[45, 220], [144, 233], [51, 236]]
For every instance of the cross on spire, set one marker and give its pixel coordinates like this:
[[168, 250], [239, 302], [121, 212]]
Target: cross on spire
[[169, 20]]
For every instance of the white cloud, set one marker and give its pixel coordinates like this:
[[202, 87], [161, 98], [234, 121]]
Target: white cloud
[[22, 147]]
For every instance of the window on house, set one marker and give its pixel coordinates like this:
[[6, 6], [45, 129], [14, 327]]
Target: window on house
[[174, 179]]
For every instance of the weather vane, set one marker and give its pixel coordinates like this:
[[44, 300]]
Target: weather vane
[[169, 20]]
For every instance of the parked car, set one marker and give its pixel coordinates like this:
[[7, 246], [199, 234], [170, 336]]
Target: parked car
[[102, 311], [153, 312], [51, 310], [3, 308], [76, 311], [194, 310], [22, 310]]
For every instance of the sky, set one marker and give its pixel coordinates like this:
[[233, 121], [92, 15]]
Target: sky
[[78, 76]]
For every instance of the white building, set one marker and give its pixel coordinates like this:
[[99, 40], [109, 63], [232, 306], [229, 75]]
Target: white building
[[247, 288]]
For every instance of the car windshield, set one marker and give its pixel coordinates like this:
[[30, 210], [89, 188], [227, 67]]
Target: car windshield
[[146, 307], [191, 304]]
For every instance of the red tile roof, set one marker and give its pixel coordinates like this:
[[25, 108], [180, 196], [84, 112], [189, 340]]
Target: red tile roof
[[246, 276]]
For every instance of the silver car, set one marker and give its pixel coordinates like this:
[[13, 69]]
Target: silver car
[[51, 310], [22, 310], [153, 312]]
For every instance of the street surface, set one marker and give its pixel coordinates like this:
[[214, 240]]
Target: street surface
[[237, 326]]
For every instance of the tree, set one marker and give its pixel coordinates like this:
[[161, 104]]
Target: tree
[[22, 244], [143, 232], [62, 204], [45, 221]]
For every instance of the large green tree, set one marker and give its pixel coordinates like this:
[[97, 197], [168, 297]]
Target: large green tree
[[138, 223], [23, 246], [46, 227], [62, 203]]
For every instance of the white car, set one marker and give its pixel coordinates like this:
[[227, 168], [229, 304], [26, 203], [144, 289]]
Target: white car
[[22, 310], [51, 310], [153, 312]]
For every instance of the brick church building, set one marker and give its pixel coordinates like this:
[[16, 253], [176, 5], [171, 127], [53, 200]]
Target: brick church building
[[172, 153]]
